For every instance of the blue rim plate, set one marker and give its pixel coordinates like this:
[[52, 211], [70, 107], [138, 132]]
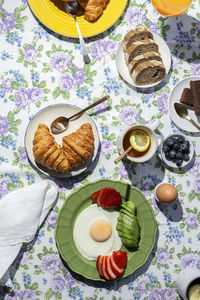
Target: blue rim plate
[[46, 116]]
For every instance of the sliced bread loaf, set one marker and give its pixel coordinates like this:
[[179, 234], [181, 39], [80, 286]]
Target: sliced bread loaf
[[148, 56], [137, 34], [139, 48], [148, 72], [195, 89]]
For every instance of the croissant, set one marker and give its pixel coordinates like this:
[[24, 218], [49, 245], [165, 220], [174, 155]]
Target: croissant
[[78, 146], [47, 152], [93, 8]]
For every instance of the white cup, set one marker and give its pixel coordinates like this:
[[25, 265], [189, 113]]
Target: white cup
[[153, 145], [184, 279]]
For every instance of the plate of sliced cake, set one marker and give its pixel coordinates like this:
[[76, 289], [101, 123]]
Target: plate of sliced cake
[[186, 91], [143, 58]]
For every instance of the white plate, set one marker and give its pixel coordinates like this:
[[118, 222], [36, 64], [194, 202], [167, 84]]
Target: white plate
[[175, 97], [123, 69], [46, 116]]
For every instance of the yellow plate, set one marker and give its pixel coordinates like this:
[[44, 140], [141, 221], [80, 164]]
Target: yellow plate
[[52, 14]]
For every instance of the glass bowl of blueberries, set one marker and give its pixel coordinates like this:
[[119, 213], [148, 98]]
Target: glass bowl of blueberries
[[177, 152]]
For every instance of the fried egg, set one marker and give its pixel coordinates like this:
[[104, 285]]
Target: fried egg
[[95, 232]]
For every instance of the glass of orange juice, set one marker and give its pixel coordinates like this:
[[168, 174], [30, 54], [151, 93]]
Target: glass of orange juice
[[171, 8]]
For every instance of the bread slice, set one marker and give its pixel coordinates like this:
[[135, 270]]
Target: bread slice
[[137, 34], [195, 89], [148, 72], [186, 97], [148, 56], [139, 48]]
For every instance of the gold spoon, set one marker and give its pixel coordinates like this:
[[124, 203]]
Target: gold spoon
[[60, 124], [182, 111], [123, 154]]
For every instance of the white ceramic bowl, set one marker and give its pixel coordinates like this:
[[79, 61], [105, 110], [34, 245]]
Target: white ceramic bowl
[[171, 164]]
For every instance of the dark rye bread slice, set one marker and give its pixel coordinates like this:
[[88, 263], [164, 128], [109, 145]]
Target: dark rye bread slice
[[143, 57], [195, 89], [137, 34], [139, 48], [187, 97], [148, 72]]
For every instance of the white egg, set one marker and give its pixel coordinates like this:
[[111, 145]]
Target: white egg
[[89, 247]]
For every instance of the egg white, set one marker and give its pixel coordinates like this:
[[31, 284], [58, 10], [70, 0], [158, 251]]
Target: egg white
[[88, 247]]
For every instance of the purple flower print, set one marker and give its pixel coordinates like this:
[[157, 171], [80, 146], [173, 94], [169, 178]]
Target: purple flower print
[[51, 263], [36, 94], [197, 186], [59, 61], [66, 82], [175, 61], [162, 256], [153, 27], [162, 104], [58, 283], [195, 69], [22, 98], [3, 187], [197, 25], [23, 157], [135, 16], [70, 280], [4, 126], [156, 294], [51, 220], [100, 107], [191, 220], [142, 287], [9, 21], [195, 170], [27, 295], [190, 260], [14, 295], [101, 49], [30, 54], [128, 115], [169, 294], [79, 76], [106, 147], [6, 85], [124, 170]]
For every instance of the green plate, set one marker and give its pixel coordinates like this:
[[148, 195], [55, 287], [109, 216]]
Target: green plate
[[77, 202]]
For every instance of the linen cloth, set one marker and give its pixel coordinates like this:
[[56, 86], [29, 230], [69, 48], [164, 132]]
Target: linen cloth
[[21, 213]]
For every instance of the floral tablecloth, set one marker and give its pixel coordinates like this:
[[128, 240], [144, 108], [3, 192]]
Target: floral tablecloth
[[38, 68]]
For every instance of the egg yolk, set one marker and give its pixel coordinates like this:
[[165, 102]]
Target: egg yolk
[[100, 230]]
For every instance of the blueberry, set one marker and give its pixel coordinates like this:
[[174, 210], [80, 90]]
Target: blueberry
[[181, 140], [179, 162], [184, 148], [179, 155], [166, 148], [175, 139], [176, 146], [169, 142], [172, 154], [186, 157], [167, 156]]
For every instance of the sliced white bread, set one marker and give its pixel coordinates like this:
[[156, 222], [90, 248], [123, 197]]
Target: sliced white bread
[[137, 34], [148, 72]]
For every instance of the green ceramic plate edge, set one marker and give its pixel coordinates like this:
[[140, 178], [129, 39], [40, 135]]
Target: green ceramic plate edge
[[79, 200]]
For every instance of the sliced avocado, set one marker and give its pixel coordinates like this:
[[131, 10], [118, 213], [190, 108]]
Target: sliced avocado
[[126, 212], [128, 236], [129, 205], [129, 243], [125, 226], [126, 219], [126, 207]]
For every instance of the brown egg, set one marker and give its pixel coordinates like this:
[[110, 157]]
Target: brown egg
[[166, 193]]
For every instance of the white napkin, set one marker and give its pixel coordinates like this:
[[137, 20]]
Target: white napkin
[[21, 213]]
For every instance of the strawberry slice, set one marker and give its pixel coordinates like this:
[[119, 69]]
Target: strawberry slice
[[94, 197], [109, 269], [105, 274], [110, 198], [120, 258], [118, 271], [99, 196], [99, 264]]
